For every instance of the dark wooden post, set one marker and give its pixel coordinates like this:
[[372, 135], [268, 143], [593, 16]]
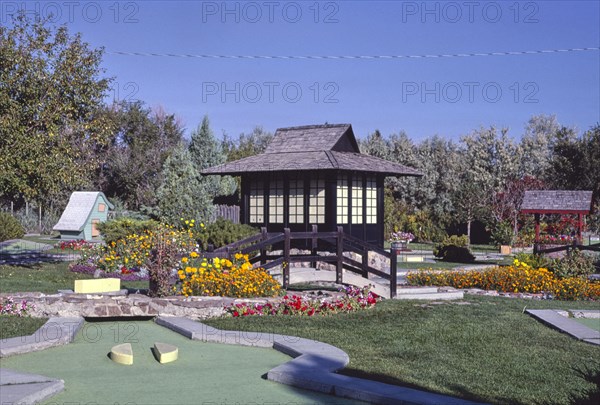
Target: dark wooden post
[[263, 251], [365, 262], [537, 234], [340, 255], [580, 228], [286, 257], [393, 272], [313, 245]]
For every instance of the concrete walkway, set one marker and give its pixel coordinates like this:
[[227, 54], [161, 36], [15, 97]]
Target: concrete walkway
[[563, 323], [313, 366]]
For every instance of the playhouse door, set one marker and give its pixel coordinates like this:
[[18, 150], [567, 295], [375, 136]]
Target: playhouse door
[[95, 231]]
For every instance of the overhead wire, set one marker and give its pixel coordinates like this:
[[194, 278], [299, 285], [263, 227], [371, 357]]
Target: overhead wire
[[350, 57]]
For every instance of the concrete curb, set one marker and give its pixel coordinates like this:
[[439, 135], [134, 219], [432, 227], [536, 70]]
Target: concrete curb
[[555, 320], [17, 387], [313, 366], [55, 332], [23, 388]]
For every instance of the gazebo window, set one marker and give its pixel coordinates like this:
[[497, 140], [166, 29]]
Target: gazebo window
[[276, 202], [257, 202], [371, 200], [357, 201], [317, 201], [342, 199], [296, 201]]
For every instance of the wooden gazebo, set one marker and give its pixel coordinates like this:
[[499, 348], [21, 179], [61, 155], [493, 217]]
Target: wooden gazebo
[[314, 175], [562, 202]]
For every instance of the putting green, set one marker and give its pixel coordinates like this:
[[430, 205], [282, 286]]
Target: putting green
[[204, 372], [593, 323]]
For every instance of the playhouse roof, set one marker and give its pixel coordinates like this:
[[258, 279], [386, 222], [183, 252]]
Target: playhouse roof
[[313, 147], [557, 202], [78, 210]]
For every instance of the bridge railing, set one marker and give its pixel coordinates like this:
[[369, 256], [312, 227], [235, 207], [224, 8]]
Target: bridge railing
[[259, 247]]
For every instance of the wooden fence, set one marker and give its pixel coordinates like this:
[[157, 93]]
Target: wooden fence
[[338, 241], [538, 249], [230, 212]]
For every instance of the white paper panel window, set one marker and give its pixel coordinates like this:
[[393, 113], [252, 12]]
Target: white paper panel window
[[342, 200], [257, 202], [317, 201], [296, 202], [357, 201], [276, 202], [371, 200]]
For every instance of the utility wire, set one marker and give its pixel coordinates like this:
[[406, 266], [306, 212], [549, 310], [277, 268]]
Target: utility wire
[[334, 57]]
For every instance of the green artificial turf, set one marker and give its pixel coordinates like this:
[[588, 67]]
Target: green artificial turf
[[589, 322], [13, 326], [204, 372], [482, 348]]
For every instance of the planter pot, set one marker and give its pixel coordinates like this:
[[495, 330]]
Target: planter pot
[[400, 245], [505, 249]]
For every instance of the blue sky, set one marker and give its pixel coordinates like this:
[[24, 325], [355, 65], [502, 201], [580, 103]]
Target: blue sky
[[422, 96]]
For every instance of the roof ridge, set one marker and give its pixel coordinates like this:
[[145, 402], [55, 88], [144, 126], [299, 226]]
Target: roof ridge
[[332, 159], [311, 126]]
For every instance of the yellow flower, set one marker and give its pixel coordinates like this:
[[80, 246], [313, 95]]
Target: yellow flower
[[184, 260]]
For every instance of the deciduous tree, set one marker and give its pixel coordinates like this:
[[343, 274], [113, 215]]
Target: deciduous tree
[[51, 110]]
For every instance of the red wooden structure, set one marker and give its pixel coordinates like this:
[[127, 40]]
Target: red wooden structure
[[562, 202]]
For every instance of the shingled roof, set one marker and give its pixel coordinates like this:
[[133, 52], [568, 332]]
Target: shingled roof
[[78, 210], [557, 201], [313, 147]]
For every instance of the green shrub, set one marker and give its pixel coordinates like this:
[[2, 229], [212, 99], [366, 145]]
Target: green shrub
[[10, 227], [502, 234], [535, 261], [576, 264], [120, 228], [454, 249], [223, 232]]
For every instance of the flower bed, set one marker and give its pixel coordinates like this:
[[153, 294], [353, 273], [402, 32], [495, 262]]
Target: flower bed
[[518, 278], [134, 274], [9, 307], [354, 299], [222, 277]]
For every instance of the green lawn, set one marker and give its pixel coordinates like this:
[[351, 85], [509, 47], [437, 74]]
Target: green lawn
[[488, 350], [442, 265], [47, 278], [12, 326]]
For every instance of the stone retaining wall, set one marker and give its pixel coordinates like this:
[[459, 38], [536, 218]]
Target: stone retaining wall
[[104, 305]]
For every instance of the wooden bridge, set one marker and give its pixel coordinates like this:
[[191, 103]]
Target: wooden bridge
[[260, 248]]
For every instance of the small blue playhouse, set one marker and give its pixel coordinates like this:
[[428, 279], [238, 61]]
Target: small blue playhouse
[[83, 213]]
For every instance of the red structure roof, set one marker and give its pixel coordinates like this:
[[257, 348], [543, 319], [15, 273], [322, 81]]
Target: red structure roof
[[556, 202]]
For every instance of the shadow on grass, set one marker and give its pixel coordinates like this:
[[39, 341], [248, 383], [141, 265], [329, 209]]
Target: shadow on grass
[[457, 391], [592, 397], [31, 259]]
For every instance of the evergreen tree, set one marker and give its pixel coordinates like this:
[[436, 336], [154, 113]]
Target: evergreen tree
[[181, 195], [206, 152]]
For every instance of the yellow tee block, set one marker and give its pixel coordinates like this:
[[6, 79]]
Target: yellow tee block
[[165, 353], [122, 354], [98, 285]]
